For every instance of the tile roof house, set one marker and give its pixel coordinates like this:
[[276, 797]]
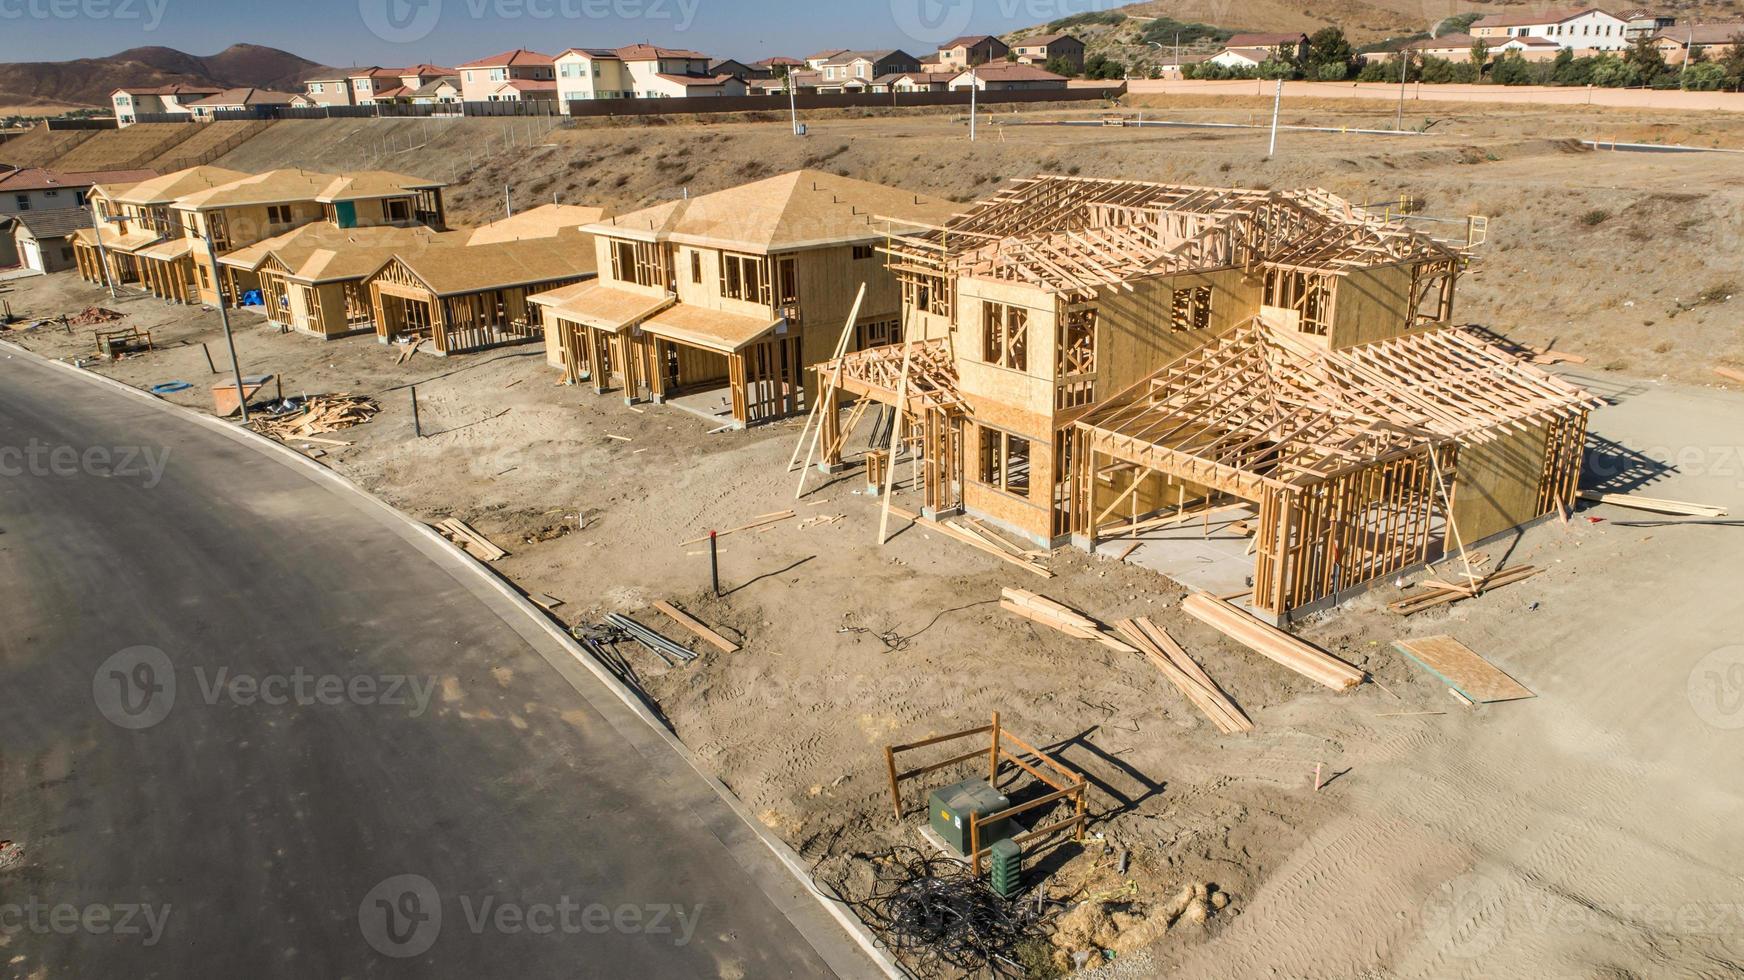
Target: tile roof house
[[1045, 48], [162, 100], [241, 100], [856, 70], [972, 49], [41, 189], [1005, 77], [1583, 29], [482, 79]]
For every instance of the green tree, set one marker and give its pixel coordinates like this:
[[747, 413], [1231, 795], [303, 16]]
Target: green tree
[[1061, 66], [1511, 69], [1480, 56], [1101, 66], [1327, 49], [1705, 77], [1649, 63], [1733, 62]]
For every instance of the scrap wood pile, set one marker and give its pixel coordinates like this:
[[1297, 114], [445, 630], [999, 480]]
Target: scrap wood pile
[[90, 316], [474, 543], [1434, 592], [1182, 671], [317, 414], [935, 917]]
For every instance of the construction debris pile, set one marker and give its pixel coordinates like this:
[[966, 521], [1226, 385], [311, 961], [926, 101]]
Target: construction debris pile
[[938, 919], [306, 417], [90, 316]]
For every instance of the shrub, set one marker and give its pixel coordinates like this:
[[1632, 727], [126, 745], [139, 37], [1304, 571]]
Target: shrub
[[1595, 217]]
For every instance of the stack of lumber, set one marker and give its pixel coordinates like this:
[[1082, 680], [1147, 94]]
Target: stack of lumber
[[1054, 615], [1275, 644], [1162, 650], [321, 413], [92, 315], [1679, 507], [476, 544], [985, 540], [696, 626], [1435, 593]]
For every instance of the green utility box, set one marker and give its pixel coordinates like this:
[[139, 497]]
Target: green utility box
[[950, 808], [1007, 863]]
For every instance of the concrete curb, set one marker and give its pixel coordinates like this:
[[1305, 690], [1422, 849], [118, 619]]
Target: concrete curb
[[786, 855]]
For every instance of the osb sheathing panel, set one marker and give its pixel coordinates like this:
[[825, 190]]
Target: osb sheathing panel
[[1370, 305], [1019, 514], [1133, 335], [1021, 401], [1496, 483]]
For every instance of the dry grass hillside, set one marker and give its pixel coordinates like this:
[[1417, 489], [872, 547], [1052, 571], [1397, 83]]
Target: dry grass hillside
[[1629, 259]]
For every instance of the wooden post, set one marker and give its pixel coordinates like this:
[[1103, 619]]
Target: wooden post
[[1080, 814], [974, 844], [895, 790], [417, 427], [993, 755], [895, 442], [825, 403]]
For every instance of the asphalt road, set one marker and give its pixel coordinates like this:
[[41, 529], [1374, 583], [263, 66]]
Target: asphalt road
[[253, 725]]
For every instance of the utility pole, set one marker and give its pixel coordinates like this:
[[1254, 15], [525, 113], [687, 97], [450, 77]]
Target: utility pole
[[224, 317], [1404, 64], [508, 204], [1277, 102], [973, 88], [1688, 50], [792, 101]]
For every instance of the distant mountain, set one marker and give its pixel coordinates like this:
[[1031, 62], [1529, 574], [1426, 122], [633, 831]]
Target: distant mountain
[[88, 81]]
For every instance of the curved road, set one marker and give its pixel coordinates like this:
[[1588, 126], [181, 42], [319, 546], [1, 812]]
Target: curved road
[[252, 724]]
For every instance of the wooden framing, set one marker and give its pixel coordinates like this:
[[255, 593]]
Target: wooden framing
[[1348, 455], [405, 307], [1065, 783]]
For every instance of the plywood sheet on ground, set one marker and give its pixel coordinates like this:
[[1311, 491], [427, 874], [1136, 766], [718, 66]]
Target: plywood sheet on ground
[[1463, 670]]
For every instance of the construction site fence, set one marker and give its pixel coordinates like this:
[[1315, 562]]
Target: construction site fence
[[72, 124], [597, 108]]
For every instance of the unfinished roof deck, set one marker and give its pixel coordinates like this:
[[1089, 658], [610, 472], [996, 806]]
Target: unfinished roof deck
[[1077, 236]]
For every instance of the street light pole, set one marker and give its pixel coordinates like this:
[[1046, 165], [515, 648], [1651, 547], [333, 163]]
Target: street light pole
[[792, 101], [1404, 65], [974, 87], [224, 318], [1277, 102]]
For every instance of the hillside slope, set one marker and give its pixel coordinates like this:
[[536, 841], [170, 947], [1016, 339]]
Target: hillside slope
[[88, 81]]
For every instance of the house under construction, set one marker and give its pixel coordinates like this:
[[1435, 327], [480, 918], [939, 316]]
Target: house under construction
[[1084, 358]]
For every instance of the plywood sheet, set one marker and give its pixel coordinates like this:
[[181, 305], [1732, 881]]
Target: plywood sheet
[[1463, 670]]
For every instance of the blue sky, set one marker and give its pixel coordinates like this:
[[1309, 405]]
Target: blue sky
[[448, 32]]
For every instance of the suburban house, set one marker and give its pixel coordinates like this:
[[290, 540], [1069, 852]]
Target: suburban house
[[135, 216], [668, 73], [486, 80], [1292, 46], [1243, 57], [251, 100], [741, 71], [973, 49], [442, 91], [40, 189], [162, 100], [816, 62], [914, 81], [777, 66], [1642, 23], [328, 87], [1588, 29], [718, 303], [1082, 356], [856, 70], [1458, 47], [591, 73], [1046, 48], [467, 297], [373, 84], [1006, 77], [311, 278], [1714, 40], [43, 240]]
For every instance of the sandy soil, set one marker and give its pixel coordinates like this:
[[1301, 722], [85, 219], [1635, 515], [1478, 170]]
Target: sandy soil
[[1585, 832]]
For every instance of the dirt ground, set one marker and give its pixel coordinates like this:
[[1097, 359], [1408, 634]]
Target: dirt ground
[[1588, 831]]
